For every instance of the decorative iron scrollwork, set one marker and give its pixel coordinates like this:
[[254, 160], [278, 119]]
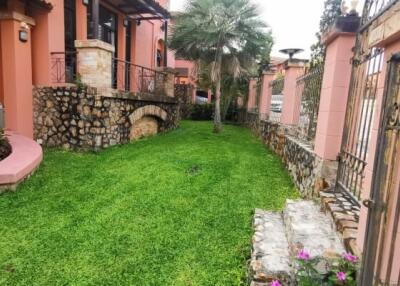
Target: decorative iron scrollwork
[[394, 116]]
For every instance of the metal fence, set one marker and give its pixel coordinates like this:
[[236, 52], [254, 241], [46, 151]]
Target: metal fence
[[134, 78], [308, 92], [275, 111], [63, 67], [367, 69], [375, 8]]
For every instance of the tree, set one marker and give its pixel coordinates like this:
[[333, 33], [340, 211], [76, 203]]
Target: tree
[[225, 35], [332, 10]]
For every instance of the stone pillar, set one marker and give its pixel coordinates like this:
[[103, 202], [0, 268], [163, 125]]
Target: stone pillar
[[266, 94], [291, 105], [16, 67], [168, 82], [95, 63], [251, 101], [335, 89]]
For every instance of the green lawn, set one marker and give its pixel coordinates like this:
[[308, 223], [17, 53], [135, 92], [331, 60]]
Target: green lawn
[[174, 209]]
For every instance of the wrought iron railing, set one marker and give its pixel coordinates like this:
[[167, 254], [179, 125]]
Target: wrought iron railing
[[357, 131], [276, 105], [308, 92], [375, 8], [63, 67], [138, 79]]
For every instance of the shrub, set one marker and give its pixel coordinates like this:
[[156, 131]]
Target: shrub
[[311, 271], [201, 111], [5, 147]]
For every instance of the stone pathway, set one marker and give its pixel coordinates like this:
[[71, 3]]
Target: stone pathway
[[279, 235]]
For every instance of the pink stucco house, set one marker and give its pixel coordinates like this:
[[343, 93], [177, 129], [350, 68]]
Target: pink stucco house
[[39, 42]]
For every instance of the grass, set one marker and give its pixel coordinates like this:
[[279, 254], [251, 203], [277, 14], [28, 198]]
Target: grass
[[174, 209]]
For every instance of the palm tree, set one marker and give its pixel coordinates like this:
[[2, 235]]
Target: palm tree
[[225, 34]]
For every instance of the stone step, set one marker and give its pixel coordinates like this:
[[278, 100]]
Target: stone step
[[310, 229], [270, 255], [279, 236]]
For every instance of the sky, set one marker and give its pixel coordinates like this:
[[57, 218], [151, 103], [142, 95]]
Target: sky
[[293, 22]]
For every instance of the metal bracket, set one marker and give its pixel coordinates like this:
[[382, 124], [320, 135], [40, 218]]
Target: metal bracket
[[368, 203]]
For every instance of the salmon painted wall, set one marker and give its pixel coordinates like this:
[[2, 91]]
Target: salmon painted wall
[[17, 81], [189, 65], [147, 37], [47, 37], [1, 74]]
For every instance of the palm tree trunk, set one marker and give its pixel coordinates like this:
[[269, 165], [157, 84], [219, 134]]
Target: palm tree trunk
[[217, 115]]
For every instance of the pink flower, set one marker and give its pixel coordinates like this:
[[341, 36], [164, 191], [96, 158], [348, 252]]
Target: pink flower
[[275, 283], [341, 276], [303, 255], [350, 257]]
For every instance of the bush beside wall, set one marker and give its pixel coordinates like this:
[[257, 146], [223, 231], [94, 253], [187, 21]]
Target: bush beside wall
[[5, 147]]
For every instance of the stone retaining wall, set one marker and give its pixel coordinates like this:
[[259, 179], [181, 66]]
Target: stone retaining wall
[[310, 173], [80, 119]]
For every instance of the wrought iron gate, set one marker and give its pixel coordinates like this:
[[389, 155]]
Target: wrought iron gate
[[380, 267], [367, 67]]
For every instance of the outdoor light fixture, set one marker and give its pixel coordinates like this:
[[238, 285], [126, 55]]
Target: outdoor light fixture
[[23, 32], [23, 36], [138, 22], [126, 22], [85, 2], [291, 52]]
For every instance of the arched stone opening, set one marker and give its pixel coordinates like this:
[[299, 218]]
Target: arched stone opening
[[147, 121]]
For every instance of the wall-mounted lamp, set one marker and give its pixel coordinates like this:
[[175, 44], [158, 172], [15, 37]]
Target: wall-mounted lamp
[[126, 22], [23, 32], [138, 22], [85, 2], [23, 36]]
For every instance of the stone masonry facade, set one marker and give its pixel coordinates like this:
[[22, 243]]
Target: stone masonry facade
[[78, 118]]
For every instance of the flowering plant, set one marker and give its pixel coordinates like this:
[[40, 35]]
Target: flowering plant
[[344, 271], [315, 271]]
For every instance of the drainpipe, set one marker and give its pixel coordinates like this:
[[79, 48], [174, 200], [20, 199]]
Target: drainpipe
[[166, 43], [95, 19], [2, 125]]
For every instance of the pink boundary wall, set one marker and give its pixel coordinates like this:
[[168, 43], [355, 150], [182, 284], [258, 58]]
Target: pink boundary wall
[[266, 94], [25, 158], [334, 94], [291, 106], [251, 102]]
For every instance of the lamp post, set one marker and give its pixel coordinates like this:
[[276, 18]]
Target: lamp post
[[291, 52]]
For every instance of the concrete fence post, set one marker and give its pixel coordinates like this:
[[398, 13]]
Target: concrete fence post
[[251, 101], [266, 94], [291, 105], [334, 92]]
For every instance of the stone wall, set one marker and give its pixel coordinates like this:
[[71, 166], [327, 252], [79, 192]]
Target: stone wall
[[253, 121], [310, 173], [80, 119]]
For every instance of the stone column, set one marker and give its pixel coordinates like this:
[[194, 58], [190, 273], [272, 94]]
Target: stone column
[[95, 63], [335, 88], [16, 72], [291, 105], [266, 94], [168, 82], [251, 101]]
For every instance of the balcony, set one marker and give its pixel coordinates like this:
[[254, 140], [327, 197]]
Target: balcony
[[109, 74]]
